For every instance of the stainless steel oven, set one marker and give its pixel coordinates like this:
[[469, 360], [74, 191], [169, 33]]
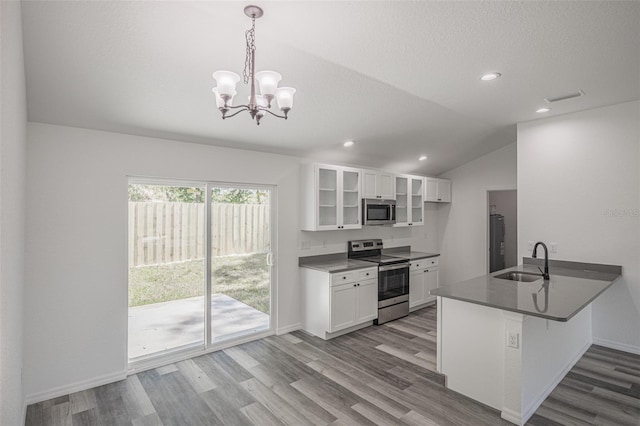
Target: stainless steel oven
[[393, 278]]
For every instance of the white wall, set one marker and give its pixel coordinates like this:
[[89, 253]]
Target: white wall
[[13, 144], [579, 186], [76, 242], [462, 225]]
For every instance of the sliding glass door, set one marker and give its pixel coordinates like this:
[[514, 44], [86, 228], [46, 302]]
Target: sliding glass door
[[191, 243], [240, 261]]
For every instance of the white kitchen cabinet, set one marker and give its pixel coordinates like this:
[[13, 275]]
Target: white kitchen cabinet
[[376, 184], [423, 277], [330, 198], [336, 303], [437, 190], [409, 200]]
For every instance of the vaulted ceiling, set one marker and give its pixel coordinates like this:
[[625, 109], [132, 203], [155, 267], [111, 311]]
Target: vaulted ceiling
[[401, 78]]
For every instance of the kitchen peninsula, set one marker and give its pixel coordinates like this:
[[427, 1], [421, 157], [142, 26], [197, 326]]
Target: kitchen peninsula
[[507, 342]]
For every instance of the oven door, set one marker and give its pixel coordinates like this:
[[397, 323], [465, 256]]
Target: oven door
[[393, 281]]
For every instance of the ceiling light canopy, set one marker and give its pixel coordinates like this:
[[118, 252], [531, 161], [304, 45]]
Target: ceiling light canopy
[[267, 82], [490, 76], [541, 110], [422, 157], [348, 143]]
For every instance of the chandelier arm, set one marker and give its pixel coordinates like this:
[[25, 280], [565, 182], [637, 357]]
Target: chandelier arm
[[272, 113], [235, 113], [237, 106]]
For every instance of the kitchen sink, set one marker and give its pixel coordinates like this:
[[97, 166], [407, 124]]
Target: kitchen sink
[[519, 276]]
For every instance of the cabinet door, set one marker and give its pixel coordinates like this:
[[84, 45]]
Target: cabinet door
[[431, 189], [417, 205], [350, 199], [444, 190], [430, 283], [327, 187], [385, 185], [416, 288], [343, 306], [367, 300], [369, 184], [402, 201]]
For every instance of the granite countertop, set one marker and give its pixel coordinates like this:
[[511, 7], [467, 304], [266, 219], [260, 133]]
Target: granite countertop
[[334, 263], [339, 262], [409, 254], [571, 287]]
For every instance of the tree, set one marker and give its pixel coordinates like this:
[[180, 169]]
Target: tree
[[185, 194]]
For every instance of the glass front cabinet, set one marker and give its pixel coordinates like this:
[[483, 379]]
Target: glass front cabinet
[[330, 198], [409, 200]]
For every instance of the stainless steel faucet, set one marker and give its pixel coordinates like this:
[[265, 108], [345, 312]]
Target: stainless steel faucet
[[545, 274]]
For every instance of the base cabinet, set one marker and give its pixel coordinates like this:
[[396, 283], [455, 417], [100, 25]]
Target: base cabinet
[[423, 277], [332, 303]]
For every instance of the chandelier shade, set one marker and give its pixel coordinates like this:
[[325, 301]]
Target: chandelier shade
[[267, 83]]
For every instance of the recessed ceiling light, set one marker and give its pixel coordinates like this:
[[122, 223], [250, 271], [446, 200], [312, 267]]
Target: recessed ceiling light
[[490, 76], [347, 144], [422, 157], [540, 110]]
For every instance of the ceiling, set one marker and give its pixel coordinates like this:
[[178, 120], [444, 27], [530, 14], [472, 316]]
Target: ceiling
[[401, 78]]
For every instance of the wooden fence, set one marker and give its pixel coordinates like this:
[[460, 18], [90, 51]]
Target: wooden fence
[[174, 232]]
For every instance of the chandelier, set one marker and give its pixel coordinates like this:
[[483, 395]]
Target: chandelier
[[267, 81]]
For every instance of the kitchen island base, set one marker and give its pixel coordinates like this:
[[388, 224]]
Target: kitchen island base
[[507, 360]]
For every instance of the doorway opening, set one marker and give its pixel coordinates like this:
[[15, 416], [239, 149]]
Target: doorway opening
[[502, 229], [200, 267]]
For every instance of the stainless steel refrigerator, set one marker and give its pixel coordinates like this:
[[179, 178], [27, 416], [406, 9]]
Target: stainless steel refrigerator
[[496, 242]]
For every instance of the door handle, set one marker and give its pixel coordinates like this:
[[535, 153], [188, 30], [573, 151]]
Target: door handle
[[270, 259]]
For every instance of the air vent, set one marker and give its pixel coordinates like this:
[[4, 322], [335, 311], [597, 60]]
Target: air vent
[[565, 97]]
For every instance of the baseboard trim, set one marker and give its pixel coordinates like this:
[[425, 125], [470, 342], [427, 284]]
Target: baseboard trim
[[534, 406], [289, 329], [616, 345], [74, 387]]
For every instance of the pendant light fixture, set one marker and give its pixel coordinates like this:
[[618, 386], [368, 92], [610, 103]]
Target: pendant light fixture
[[267, 82]]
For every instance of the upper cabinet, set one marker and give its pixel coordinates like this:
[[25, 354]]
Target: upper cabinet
[[330, 197], [437, 190], [409, 200], [376, 184]]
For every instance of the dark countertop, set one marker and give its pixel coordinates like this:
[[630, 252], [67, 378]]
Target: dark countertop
[[334, 263], [339, 262], [408, 254], [571, 287]]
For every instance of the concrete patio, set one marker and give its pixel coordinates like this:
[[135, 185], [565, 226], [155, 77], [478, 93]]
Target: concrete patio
[[170, 325]]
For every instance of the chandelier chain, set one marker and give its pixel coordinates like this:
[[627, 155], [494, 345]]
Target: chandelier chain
[[250, 36]]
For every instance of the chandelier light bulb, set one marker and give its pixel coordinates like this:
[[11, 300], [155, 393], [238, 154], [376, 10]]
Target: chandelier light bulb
[[284, 95], [268, 82], [227, 81]]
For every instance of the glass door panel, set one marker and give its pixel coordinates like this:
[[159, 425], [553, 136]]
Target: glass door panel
[[166, 269], [240, 261], [401, 200], [328, 197], [416, 201], [350, 197]]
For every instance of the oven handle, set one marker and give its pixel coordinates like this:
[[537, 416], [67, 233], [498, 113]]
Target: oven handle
[[393, 267]]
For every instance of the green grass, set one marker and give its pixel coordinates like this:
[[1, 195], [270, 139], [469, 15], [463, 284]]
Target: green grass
[[244, 278]]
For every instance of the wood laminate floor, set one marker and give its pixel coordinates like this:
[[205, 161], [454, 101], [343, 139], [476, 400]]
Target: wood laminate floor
[[382, 375]]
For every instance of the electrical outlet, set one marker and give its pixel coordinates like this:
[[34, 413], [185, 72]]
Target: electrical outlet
[[514, 340], [530, 245], [554, 247]]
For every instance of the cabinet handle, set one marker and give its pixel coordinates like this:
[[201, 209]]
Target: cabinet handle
[[358, 284], [344, 278], [354, 285]]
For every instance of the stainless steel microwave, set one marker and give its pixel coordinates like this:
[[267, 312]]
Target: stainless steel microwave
[[376, 211]]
